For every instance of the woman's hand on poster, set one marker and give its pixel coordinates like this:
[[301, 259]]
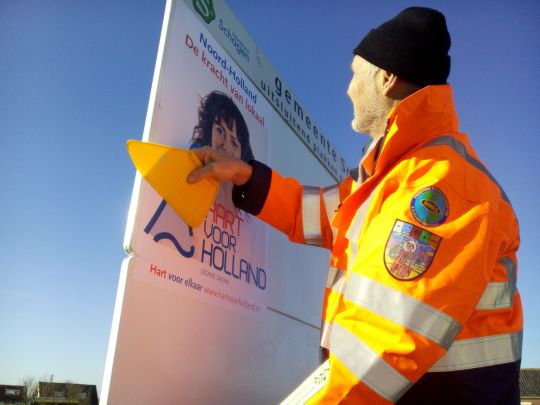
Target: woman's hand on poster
[[221, 166]]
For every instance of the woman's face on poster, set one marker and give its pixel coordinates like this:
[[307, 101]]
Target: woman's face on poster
[[225, 138]]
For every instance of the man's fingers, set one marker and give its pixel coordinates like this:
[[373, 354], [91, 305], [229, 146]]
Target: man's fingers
[[205, 154], [198, 174], [220, 166]]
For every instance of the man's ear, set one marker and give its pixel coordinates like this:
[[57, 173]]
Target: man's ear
[[396, 88], [390, 84]]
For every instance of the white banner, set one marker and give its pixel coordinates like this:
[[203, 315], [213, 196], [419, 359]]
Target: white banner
[[227, 312]]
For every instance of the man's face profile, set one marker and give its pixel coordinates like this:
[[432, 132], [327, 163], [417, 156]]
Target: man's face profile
[[362, 92]]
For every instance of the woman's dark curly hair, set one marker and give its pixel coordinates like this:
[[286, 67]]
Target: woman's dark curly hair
[[214, 107]]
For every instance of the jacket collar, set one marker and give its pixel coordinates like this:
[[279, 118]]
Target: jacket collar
[[417, 119], [424, 115]]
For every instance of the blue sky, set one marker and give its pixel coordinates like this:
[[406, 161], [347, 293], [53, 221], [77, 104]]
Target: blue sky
[[75, 79]]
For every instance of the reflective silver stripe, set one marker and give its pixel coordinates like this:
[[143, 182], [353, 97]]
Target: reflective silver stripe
[[498, 294], [450, 141], [332, 274], [311, 215], [365, 364], [353, 233], [326, 329], [309, 387], [331, 200], [336, 282], [481, 352], [336, 279], [402, 309]]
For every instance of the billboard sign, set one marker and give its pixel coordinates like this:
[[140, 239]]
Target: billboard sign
[[213, 313]]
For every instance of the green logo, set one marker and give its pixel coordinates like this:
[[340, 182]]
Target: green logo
[[205, 8]]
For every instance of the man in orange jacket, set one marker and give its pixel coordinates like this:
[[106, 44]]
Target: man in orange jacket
[[421, 304]]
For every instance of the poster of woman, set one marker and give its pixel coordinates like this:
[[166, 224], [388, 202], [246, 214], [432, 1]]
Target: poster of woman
[[211, 314], [200, 103]]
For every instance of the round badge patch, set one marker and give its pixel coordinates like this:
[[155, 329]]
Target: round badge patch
[[430, 207]]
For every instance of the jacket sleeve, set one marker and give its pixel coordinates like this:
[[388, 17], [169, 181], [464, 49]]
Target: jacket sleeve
[[425, 256], [302, 212]]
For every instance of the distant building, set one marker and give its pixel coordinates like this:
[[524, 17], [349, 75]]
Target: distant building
[[529, 386], [53, 393], [12, 394]]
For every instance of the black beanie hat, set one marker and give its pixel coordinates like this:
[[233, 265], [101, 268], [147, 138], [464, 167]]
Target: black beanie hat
[[413, 45]]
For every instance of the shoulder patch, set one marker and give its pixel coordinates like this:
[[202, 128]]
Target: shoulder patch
[[409, 250], [430, 207]]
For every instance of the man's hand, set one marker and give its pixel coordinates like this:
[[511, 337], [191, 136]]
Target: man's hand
[[220, 166]]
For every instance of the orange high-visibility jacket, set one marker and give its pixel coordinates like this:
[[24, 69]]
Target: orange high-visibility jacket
[[421, 302]]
